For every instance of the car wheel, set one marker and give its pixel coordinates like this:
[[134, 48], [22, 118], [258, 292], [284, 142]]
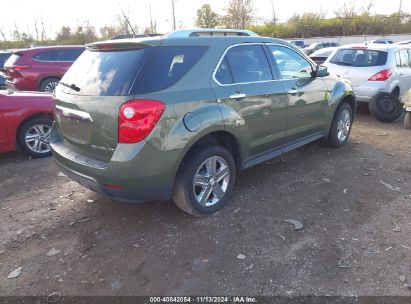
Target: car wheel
[[205, 180], [33, 136], [340, 126], [385, 107], [49, 85], [407, 120]]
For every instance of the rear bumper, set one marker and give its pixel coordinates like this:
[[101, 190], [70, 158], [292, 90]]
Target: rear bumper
[[135, 173], [368, 91], [127, 196]]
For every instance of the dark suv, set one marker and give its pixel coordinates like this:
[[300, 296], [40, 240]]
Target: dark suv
[[41, 68], [178, 116]]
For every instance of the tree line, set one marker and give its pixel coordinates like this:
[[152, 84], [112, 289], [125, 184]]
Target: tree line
[[348, 19]]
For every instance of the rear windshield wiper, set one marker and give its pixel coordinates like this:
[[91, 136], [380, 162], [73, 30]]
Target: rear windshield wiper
[[71, 86], [342, 63]]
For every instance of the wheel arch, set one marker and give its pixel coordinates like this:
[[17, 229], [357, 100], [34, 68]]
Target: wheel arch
[[44, 78], [223, 138]]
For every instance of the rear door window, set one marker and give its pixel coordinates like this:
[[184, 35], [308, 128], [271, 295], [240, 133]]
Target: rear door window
[[360, 57], [248, 63], [46, 56], [223, 74]]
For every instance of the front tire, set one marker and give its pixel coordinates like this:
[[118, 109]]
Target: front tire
[[340, 128], [385, 107], [407, 120], [205, 180], [33, 137]]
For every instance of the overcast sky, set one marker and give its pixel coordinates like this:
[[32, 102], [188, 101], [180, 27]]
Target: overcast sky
[[22, 13]]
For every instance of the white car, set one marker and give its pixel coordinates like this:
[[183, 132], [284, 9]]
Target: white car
[[380, 75]]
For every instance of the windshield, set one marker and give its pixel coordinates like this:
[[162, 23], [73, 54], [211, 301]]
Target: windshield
[[313, 46], [360, 57]]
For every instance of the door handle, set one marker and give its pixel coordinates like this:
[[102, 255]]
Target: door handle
[[237, 96], [293, 92]]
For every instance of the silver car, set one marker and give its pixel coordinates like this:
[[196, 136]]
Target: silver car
[[379, 73]]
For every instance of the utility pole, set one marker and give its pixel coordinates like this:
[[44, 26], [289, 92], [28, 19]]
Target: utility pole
[[400, 9], [274, 16], [151, 21], [174, 15]]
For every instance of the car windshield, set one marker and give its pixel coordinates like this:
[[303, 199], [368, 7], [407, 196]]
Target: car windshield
[[360, 57], [313, 46]]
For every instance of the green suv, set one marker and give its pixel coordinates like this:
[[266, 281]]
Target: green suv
[[178, 116]]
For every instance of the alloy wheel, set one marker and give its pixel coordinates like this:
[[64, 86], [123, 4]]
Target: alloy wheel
[[50, 87], [211, 181], [37, 138], [344, 125]]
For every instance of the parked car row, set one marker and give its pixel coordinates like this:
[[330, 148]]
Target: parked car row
[[41, 68], [380, 75]]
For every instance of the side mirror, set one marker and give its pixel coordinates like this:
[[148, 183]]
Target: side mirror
[[321, 71]]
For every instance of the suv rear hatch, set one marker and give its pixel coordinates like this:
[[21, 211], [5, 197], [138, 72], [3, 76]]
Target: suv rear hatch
[[357, 64], [12, 67], [94, 91]]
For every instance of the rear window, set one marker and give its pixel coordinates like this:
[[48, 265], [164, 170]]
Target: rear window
[[3, 58], [13, 59], [117, 73], [105, 73], [360, 57]]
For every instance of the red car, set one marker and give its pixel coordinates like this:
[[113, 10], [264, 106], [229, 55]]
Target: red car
[[25, 122], [40, 69]]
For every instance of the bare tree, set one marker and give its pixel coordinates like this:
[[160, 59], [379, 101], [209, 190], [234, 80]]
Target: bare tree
[[239, 14], [2, 34], [346, 13]]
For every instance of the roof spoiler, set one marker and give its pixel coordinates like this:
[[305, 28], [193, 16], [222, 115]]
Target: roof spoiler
[[107, 46]]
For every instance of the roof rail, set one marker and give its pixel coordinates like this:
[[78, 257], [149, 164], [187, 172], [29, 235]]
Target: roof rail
[[209, 32]]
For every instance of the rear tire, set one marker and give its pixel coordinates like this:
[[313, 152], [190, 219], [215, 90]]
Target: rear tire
[[33, 137], [49, 85], [340, 128], [207, 170], [407, 120], [385, 108]]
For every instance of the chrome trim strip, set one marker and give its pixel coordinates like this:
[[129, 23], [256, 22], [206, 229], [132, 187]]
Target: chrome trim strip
[[74, 114]]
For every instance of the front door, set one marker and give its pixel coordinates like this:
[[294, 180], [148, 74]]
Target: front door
[[307, 95]]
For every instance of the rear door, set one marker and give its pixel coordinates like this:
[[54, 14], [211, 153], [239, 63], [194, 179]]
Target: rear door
[[307, 103], [244, 83]]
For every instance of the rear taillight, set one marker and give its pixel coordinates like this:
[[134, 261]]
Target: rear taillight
[[382, 76], [137, 118]]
